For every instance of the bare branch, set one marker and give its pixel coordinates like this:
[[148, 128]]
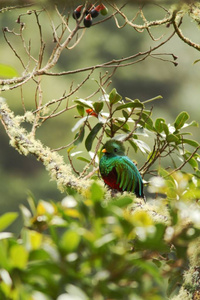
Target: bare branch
[[177, 20], [12, 48]]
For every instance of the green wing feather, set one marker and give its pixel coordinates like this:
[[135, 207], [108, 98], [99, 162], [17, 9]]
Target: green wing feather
[[128, 175]]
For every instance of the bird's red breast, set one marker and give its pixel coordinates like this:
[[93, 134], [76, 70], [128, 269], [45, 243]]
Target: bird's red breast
[[111, 180]]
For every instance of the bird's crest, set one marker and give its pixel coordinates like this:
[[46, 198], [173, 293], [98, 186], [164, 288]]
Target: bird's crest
[[114, 146]]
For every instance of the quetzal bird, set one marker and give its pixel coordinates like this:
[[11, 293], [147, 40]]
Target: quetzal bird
[[118, 171]]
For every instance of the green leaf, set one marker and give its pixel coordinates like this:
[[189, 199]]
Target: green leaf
[[39, 254], [85, 103], [26, 215], [143, 146], [140, 104], [122, 202], [70, 148], [192, 193], [105, 239], [185, 133], [193, 162], [133, 104], [165, 128], [18, 256], [7, 71], [32, 202], [193, 123], [75, 153], [74, 293], [134, 146], [159, 124], [181, 119], [7, 219], [83, 159], [125, 126], [174, 281], [98, 106], [145, 115], [79, 123], [190, 142], [157, 262], [114, 97], [97, 192], [148, 123], [80, 110], [35, 239], [172, 138], [170, 180], [80, 136], [125, 114], [153, 241], [91, 136], [70, 240], [149, 268]]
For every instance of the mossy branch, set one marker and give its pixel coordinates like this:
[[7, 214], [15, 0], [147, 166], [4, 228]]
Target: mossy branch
[[25, 143], [190, 288]]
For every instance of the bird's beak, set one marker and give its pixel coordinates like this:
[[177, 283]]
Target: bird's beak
[[104, 150]]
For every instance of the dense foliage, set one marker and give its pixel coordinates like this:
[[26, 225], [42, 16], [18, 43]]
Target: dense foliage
[[90, 248]]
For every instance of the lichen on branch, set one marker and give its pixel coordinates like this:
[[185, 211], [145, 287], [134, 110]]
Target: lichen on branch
[[25, 143]]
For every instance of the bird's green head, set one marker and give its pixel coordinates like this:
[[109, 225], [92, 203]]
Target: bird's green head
[[113, 148]]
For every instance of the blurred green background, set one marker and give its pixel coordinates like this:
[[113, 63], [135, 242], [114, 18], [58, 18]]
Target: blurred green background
[[178, 85]]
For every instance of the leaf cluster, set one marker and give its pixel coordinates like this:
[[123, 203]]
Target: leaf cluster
[[129, 120], [87, 248]]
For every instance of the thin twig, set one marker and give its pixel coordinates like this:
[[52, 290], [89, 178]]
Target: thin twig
[[176, 23], [184, 163]]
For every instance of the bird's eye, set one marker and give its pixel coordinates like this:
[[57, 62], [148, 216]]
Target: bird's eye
[[115, 149]]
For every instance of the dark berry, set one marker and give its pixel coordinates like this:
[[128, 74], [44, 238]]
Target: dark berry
[[77, 12], [95, 11], [87, 20]]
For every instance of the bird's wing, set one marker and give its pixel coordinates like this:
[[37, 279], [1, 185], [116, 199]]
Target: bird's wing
[[128, 176]]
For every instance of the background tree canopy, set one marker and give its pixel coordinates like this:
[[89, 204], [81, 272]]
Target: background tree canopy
[[66, 89]]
